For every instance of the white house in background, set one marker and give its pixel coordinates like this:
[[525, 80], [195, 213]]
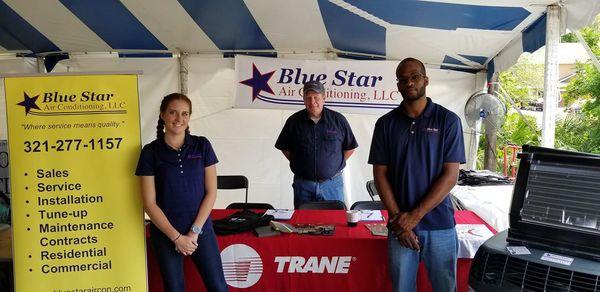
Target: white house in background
[[569, 55]]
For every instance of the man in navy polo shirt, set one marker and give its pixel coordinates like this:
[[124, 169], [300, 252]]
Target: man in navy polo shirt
[[317, 141], [416, 151]]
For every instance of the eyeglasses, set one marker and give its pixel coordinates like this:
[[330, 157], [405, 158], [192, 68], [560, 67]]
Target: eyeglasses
[[413, 78]]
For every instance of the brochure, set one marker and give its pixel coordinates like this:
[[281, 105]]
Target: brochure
[[371, 215], [377, 229], [280, 214]]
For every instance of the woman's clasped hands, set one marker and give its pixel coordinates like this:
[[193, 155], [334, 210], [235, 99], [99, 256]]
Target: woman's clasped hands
[[186, 244]]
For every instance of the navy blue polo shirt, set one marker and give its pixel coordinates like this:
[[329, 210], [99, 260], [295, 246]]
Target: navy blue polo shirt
[[178, 177], [316, 149], [414, 150]]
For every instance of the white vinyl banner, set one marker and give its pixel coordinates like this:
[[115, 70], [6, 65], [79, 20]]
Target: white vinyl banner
[[351, 86], [367, 87]]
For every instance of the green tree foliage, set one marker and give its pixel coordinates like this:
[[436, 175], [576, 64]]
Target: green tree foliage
[[585, 86], [515, 131], [524, 82], [519, 131], [580, 131], [591, 35]]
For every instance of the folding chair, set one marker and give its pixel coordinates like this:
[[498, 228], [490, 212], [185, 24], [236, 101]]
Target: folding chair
[[250, 206], [233, 182], [372, 190], [367, 205], [323, 205]]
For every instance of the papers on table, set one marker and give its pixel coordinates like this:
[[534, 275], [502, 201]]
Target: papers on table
[[471, 236], [280, 214], [473, 232], [371, 215], [377, 229]]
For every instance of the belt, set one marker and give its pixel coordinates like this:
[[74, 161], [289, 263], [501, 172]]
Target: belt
[[326, 179]]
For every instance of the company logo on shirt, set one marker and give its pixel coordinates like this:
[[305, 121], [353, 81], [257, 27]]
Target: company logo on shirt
[[194, 156], [432, 130], [314, 264], [242, 265]]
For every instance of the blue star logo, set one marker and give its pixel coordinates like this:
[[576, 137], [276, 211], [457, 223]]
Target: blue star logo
[[259, 82], [29, 103]]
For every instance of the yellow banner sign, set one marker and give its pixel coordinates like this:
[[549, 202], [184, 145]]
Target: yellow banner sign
[[77, 213]]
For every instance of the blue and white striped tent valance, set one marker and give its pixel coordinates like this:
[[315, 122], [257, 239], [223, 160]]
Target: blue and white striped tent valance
[[457, 34]]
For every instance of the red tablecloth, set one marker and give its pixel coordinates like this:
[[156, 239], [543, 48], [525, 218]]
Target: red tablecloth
[[350, 260]]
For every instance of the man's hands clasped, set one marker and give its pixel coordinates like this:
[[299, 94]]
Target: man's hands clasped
[[402, 224]]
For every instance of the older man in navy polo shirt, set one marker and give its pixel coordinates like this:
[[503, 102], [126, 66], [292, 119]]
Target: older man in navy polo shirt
[[317, 141], [415, 153]]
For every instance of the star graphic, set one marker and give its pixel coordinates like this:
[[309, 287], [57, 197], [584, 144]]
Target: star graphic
[[29, 103], [258, 82]]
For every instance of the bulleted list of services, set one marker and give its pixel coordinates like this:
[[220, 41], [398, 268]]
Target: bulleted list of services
[[63, 207]]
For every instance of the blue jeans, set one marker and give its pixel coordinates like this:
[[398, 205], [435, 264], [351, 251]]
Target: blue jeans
[[439, 252], [310, 191], [206, 258]]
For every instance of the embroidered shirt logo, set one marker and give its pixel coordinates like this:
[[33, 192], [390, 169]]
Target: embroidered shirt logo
[[194, 156]]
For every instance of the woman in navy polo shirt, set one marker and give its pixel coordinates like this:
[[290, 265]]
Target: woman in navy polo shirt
[[179, 187]]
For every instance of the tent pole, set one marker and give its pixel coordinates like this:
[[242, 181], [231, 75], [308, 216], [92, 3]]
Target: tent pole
[[480, 85], [551, 92], [40, 64], [183, 73], [490, 157]]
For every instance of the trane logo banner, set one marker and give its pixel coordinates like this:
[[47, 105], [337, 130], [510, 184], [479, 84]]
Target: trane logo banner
[[297, 264], [351, 86], [243, 265]]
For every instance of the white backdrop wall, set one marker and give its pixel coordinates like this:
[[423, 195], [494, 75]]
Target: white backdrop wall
[[11, 65], [243, 138]]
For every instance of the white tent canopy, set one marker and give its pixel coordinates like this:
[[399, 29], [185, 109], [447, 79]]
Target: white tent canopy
[[468, 34]]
